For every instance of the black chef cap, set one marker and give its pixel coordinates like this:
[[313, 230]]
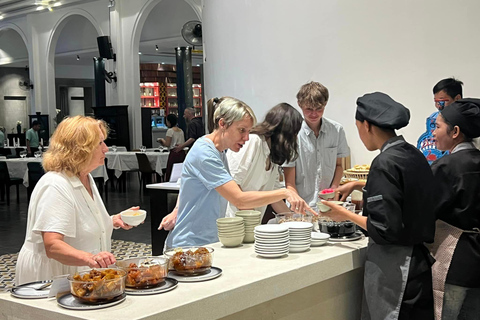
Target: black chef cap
[[465, 114], [379, 109]]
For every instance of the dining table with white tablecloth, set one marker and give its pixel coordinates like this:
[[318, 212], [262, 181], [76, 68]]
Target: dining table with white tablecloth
[[127, 161], [17, 168]]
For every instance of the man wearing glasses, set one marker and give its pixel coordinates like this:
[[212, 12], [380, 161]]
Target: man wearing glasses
[[445, 92]]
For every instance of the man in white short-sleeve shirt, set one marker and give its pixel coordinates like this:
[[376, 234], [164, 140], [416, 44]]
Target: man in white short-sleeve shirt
[[322, 145]]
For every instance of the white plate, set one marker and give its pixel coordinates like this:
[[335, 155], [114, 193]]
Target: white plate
[[25, 291], [296, 250], [320, 236], [298, 225], [272, 235], [284, 250], [271, 228], [272, 243], [272, 251], [300, 243], [272, 248], [167, 285], [213, 273], [271, 255], [68, 301]]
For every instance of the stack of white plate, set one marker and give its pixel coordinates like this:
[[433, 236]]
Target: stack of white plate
[[300, 235], [251, 219], [319, 239], [271, 240], [231, 231]]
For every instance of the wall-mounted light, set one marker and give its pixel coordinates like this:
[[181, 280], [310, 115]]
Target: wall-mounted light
[[156, 48], [78, 57], [139, 52], [163, 62]]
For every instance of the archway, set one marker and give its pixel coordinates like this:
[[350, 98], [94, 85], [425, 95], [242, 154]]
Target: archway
[[160, 35], [15, 84]]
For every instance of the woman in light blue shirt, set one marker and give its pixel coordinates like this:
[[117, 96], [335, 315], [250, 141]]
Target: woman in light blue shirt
[[206, 183]]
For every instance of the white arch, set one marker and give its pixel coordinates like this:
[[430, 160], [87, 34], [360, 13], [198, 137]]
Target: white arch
[[50, 53], [19, 30], [133, 52]]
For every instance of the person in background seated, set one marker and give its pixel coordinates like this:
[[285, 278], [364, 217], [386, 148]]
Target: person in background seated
[[195, 129], [271, 143], [32, 138], [456, 277], [68, 228], [206, 184], [174, 135], [321, 146], [397, 213], [445, 92]]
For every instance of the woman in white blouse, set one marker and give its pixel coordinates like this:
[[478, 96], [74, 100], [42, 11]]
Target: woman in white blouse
[[271, 143], [174, 135], [68, 227]]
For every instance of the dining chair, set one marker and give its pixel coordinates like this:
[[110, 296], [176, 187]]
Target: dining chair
[[6, 182], [145, 169], [173, 157], [35, 172]]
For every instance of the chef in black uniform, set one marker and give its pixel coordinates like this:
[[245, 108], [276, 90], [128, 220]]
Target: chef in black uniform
[[456, 272], [397, 213]]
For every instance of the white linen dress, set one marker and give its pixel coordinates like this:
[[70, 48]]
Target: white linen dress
[[62, 204]]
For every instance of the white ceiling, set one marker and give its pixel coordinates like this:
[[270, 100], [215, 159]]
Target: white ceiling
[[162, 28]]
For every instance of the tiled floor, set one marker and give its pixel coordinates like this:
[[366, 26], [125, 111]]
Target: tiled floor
[[13, 217]]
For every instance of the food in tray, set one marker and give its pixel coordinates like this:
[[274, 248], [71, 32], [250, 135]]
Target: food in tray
[[144, 277], [359, 168], [97, 285], [144, 272], [291, 216], [191, 260]]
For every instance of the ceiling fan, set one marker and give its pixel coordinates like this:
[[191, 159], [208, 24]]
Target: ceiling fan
[[192, 32]]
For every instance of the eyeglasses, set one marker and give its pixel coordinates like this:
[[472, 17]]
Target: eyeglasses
[[441, 102]]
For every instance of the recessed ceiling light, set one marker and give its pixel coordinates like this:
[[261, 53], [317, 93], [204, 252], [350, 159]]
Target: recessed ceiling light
[[57, 4], [198, 65], [1, 17], [163, 62], [40, 8]]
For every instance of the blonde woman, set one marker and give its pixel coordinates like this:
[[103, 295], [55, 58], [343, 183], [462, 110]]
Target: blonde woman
[[68, 227]]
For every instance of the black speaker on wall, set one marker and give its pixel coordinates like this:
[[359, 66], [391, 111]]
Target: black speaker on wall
[[105, 47]]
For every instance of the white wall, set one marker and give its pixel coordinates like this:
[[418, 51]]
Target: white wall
[[263, 51], [74, 72], [75, 107]]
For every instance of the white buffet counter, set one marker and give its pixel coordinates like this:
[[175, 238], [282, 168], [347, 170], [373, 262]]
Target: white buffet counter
[[323, 283]]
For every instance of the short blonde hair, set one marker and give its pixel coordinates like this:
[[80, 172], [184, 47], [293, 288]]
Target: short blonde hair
[[312, 94], [230, 110], [72, 144]]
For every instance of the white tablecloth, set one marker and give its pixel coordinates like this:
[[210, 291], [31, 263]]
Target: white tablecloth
[[127, 161], [17, 168], [119, 148]]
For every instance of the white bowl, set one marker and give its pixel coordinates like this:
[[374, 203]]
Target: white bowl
[[231, 241], [133, 217], [325, 208]]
